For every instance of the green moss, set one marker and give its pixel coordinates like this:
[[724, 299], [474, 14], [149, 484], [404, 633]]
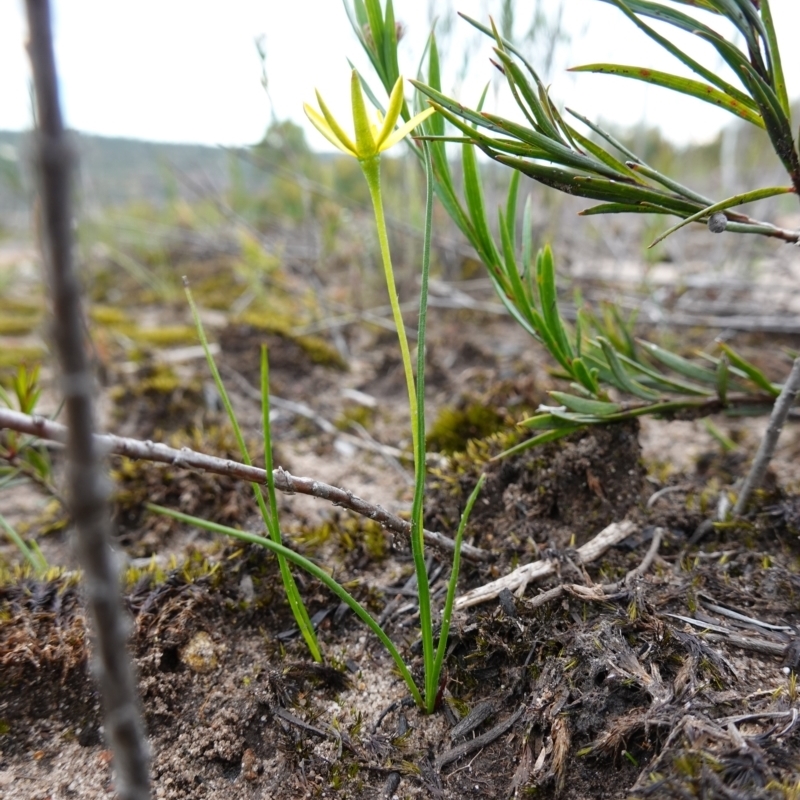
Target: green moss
[[110, 316], [454, 428], [349, 534], [320, 352], [23, 308], [18, 324], [166, 336], [355, 414], [14, 356]]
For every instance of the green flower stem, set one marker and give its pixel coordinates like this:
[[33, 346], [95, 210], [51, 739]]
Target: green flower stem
[[371, 168]]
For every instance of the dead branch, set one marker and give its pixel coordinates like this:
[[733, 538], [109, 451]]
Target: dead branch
[[522, 576], [285, 482], [88, 485]]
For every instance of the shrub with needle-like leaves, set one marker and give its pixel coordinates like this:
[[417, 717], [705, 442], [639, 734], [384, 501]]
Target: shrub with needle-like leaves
[[598, 355]]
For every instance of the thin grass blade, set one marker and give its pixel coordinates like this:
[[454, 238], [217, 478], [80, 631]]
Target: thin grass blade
[[444, 631], [309, 566]]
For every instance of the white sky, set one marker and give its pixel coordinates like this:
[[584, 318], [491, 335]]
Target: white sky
[[187, 70]]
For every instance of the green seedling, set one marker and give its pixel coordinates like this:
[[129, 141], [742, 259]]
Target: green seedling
[[269, 514]]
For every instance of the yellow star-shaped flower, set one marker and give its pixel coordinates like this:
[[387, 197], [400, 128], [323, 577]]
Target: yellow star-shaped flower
[[371, 138]]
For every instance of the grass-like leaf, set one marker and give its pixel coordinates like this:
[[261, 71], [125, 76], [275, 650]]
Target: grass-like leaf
[[283, 552], [271, 522]]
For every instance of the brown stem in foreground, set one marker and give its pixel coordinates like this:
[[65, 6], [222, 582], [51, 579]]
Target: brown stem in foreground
[[290, 484], [88, 486]]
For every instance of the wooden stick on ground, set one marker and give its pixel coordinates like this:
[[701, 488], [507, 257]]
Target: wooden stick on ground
[[522, 576]]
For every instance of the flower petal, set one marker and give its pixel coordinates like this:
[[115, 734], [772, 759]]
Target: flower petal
[[392, 112], [402, 132], [335, 126], [322, 126], [365, 141]]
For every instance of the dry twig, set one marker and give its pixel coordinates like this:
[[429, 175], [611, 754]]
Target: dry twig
[[290, 484], [521, 577]]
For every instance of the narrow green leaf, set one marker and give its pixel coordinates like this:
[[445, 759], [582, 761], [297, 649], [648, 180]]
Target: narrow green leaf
[[573, 418], [271, 521], [542, 438], [390, 46], [359, 22], [476, 205], [603, 155], [517, 80], [557, 152], [752, 372], [455, 107], [597, 188], [664, 180], [582, 405], [309, 566], [778, 79], [745, 20], [511, 207], [624, 208], [527, 243], [679, 364], [626, 381], [628, 9], [687, 86], [545, 334], [775, 119], [475, 136], [606, 135], [376, 33], [656, 380], [417, 515], [730, 202], [447, 614], [722, 380], [511, 269], [587, 377], [32, 555], [548, 297]]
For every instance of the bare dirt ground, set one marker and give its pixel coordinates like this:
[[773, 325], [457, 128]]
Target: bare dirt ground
[[677, 680]]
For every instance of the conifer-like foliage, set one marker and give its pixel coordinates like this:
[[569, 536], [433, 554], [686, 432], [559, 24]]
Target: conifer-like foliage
[[611, 375]]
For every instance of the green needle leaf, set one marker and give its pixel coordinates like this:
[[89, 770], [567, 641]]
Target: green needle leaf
[[679, 364], [778, 79], [752, 372], [583, 405], [687, 86], [625, 380]]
